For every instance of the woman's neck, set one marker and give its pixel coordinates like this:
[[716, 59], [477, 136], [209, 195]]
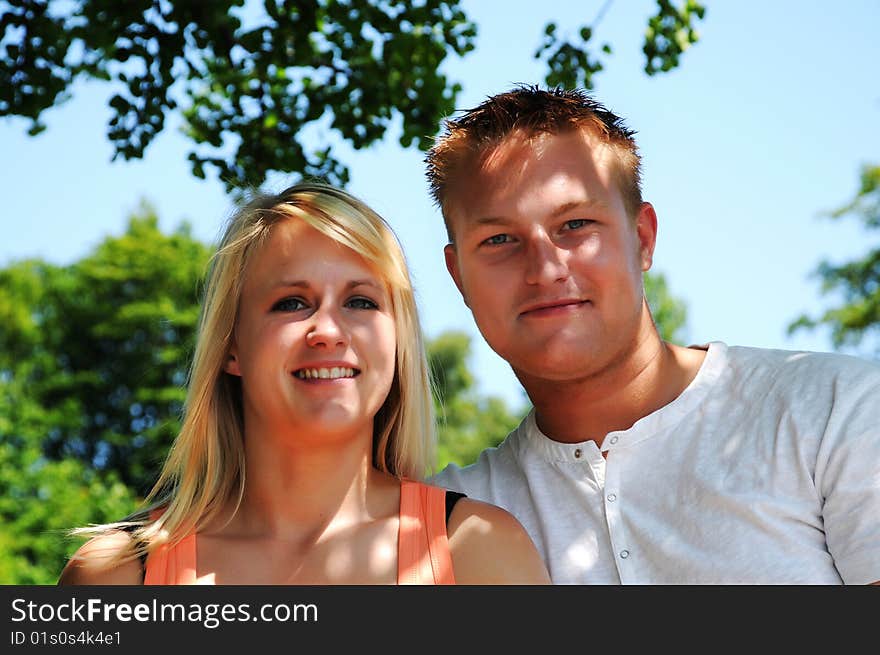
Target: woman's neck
[[296, 486]]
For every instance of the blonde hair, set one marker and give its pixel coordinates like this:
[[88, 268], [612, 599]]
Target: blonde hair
[[205, 466]]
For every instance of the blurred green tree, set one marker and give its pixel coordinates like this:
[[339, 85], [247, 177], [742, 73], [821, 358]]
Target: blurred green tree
[[856, 320], [669, 312], [467, 423], [40, 499], [102, 346]]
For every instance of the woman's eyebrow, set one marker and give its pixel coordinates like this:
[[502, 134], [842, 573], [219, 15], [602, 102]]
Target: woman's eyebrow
[[304, 284], [301, 284], [363, 283]]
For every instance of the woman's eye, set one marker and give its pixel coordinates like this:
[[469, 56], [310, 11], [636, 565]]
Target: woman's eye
[[361, 303], [497, 239], [288, 305]]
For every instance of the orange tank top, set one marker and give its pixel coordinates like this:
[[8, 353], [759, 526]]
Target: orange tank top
[[423, 555]]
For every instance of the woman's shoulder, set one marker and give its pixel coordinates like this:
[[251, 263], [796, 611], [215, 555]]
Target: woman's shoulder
[[490, 546], [107, 559]]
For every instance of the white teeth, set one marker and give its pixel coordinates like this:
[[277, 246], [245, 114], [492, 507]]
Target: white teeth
[[325, 373]]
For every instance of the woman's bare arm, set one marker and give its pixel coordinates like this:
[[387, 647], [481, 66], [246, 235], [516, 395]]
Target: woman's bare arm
[[489, 546], [93, 563]]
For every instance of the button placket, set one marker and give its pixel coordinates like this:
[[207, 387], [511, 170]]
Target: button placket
[[616, 533]]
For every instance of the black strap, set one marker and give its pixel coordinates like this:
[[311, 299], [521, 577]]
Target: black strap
[[452, 497]]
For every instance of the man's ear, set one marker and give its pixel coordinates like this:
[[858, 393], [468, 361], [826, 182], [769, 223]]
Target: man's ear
[[231, 364], [452, 266], [646, 230]]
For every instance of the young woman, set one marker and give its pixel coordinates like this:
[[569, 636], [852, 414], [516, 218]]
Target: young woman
[[308, 423]]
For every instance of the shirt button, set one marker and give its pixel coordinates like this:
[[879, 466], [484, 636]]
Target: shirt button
[[613, 440], [577, 453], [624, 554], [612, 497]]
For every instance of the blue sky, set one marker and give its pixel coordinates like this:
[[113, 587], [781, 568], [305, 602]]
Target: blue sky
[[762, 128]]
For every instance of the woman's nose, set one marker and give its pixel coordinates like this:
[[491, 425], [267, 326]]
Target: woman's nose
[[326, 330]]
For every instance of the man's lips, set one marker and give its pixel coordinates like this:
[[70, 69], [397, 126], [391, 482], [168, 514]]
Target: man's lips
[[552, 307]]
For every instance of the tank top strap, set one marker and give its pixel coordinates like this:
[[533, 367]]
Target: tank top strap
[[423, 548], [172, 565]]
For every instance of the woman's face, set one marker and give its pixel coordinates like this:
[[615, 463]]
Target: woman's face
[[315, 338]]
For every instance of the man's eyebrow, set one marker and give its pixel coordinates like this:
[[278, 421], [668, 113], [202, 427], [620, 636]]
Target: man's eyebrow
[[490, 220], [580, 204], [559, 211]]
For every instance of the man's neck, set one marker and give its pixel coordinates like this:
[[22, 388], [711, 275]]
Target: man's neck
[[649, 376]]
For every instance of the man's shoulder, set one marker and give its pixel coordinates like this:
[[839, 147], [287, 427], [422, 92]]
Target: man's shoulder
[[816, 383], [837, 366]]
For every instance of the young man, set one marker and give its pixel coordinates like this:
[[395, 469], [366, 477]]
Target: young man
[[642, 462]]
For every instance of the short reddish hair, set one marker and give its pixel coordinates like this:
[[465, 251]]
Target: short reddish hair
[[532, 111]]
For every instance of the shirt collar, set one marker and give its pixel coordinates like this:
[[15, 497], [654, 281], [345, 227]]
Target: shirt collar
[[654, 423]]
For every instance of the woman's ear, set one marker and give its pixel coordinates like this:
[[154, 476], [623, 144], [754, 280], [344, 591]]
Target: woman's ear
[[231, 365]]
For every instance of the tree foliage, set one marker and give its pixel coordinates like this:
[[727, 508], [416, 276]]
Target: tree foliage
[[40, 500], [260, 83], [467, 423], [572, 62], [250, 78], [669, 312], [40, 497], [856, 320], [101, 347]]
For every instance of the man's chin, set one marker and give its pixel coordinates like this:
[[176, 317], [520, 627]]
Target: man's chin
[[547, 368]]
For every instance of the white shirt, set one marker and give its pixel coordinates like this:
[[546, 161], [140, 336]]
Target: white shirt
[[765, 470]]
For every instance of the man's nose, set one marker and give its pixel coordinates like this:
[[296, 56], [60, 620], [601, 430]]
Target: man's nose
[[546, 262], [327, 330]]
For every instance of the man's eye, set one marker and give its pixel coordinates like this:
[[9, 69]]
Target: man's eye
[[497, 240], [289, 305], [576, 223], [361, 303]]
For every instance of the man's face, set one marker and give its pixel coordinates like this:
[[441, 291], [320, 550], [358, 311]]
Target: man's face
[[546, 256]]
